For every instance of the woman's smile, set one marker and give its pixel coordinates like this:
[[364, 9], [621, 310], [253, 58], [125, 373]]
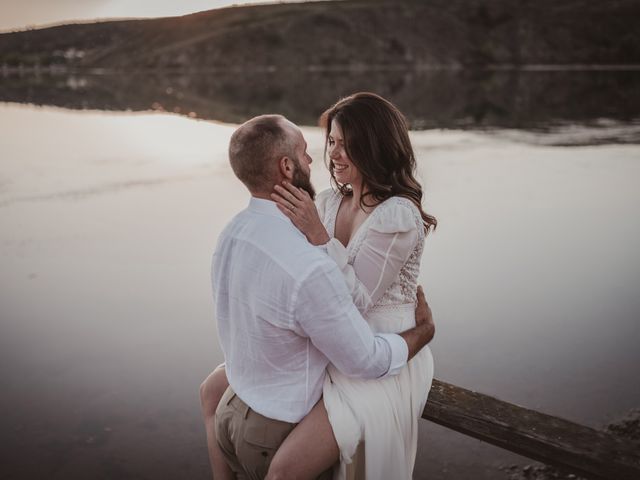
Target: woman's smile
[[343, 172], [339, 167]]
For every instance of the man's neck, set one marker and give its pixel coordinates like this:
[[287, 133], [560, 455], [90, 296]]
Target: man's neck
[[262, 196]]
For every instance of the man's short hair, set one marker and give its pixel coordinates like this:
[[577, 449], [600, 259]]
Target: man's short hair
[[255, 148]]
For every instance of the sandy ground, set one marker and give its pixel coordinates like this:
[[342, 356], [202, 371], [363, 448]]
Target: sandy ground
[[107, 225]]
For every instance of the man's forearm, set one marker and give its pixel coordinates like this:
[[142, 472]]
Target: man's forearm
[[418, 337]]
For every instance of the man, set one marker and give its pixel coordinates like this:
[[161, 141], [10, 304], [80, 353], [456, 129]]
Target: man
[[284, 310]]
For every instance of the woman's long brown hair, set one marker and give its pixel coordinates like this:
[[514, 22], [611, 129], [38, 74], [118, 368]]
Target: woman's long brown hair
[[376, 140]]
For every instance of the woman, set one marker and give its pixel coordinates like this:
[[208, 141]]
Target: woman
[[373, 226]]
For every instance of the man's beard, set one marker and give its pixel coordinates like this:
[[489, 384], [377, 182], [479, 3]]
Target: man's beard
[[303, 181]]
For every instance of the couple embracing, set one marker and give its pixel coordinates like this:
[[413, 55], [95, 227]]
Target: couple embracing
[[320, 318]]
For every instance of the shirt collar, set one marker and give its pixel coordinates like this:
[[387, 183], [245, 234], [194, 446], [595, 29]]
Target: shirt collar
[[266, 207]]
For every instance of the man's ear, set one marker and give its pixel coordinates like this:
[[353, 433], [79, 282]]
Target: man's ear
[[286, 167]]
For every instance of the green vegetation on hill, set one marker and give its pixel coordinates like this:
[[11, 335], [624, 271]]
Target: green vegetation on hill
[[358, 34]]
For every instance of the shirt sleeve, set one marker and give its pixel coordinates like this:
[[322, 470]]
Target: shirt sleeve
[[389, 241], [325, 313]]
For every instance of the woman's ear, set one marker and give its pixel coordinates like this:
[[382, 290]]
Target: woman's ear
[[287, 167]]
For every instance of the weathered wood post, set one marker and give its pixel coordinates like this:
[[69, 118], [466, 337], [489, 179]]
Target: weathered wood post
[[551, 440]]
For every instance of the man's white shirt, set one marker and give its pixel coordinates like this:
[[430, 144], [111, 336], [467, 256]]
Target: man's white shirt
[[284, 312]]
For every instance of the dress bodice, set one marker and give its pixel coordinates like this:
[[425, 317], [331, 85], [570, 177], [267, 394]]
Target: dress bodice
[[391, 240]]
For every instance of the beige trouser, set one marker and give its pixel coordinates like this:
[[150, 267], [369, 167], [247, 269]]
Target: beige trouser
[[247, 439]]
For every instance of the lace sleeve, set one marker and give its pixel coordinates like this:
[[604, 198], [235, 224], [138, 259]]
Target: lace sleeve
[[385, 247]]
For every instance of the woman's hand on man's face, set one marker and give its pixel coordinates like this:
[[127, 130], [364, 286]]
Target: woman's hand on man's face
[[298, 206]]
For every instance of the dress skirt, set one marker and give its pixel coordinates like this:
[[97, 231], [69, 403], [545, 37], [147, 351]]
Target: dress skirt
[[384, 412]]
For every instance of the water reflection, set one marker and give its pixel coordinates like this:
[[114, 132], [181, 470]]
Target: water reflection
[[430, 99], [107, 223]]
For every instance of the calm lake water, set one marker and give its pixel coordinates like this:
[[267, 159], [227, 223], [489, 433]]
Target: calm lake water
[[108, 222]]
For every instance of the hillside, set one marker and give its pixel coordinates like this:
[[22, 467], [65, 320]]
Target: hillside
[[430, 99], [353, 33]]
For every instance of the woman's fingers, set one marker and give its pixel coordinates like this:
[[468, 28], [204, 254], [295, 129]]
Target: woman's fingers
[[287, 211], [283, 202], [302, 213], [295, 191], [290, 197]]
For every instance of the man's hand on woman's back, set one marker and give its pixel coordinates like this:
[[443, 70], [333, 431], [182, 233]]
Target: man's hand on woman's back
[[424, 330]]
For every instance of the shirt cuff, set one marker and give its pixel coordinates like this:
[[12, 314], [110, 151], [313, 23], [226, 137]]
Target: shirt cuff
[[325, 246], [399, 352]]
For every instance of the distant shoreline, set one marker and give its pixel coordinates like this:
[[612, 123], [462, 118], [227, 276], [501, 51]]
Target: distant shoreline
[[60, 69]]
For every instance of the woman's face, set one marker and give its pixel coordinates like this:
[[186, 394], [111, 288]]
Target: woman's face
[[343, 169]]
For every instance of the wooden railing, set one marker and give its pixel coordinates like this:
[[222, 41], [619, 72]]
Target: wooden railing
[[551, 440]]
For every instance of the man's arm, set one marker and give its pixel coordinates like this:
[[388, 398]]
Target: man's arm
[[424, 330], [326, 314]]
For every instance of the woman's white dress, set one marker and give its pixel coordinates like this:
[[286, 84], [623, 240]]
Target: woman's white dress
[[381, 265]]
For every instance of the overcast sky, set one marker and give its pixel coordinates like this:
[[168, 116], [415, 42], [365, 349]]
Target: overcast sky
[[18, 14]]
